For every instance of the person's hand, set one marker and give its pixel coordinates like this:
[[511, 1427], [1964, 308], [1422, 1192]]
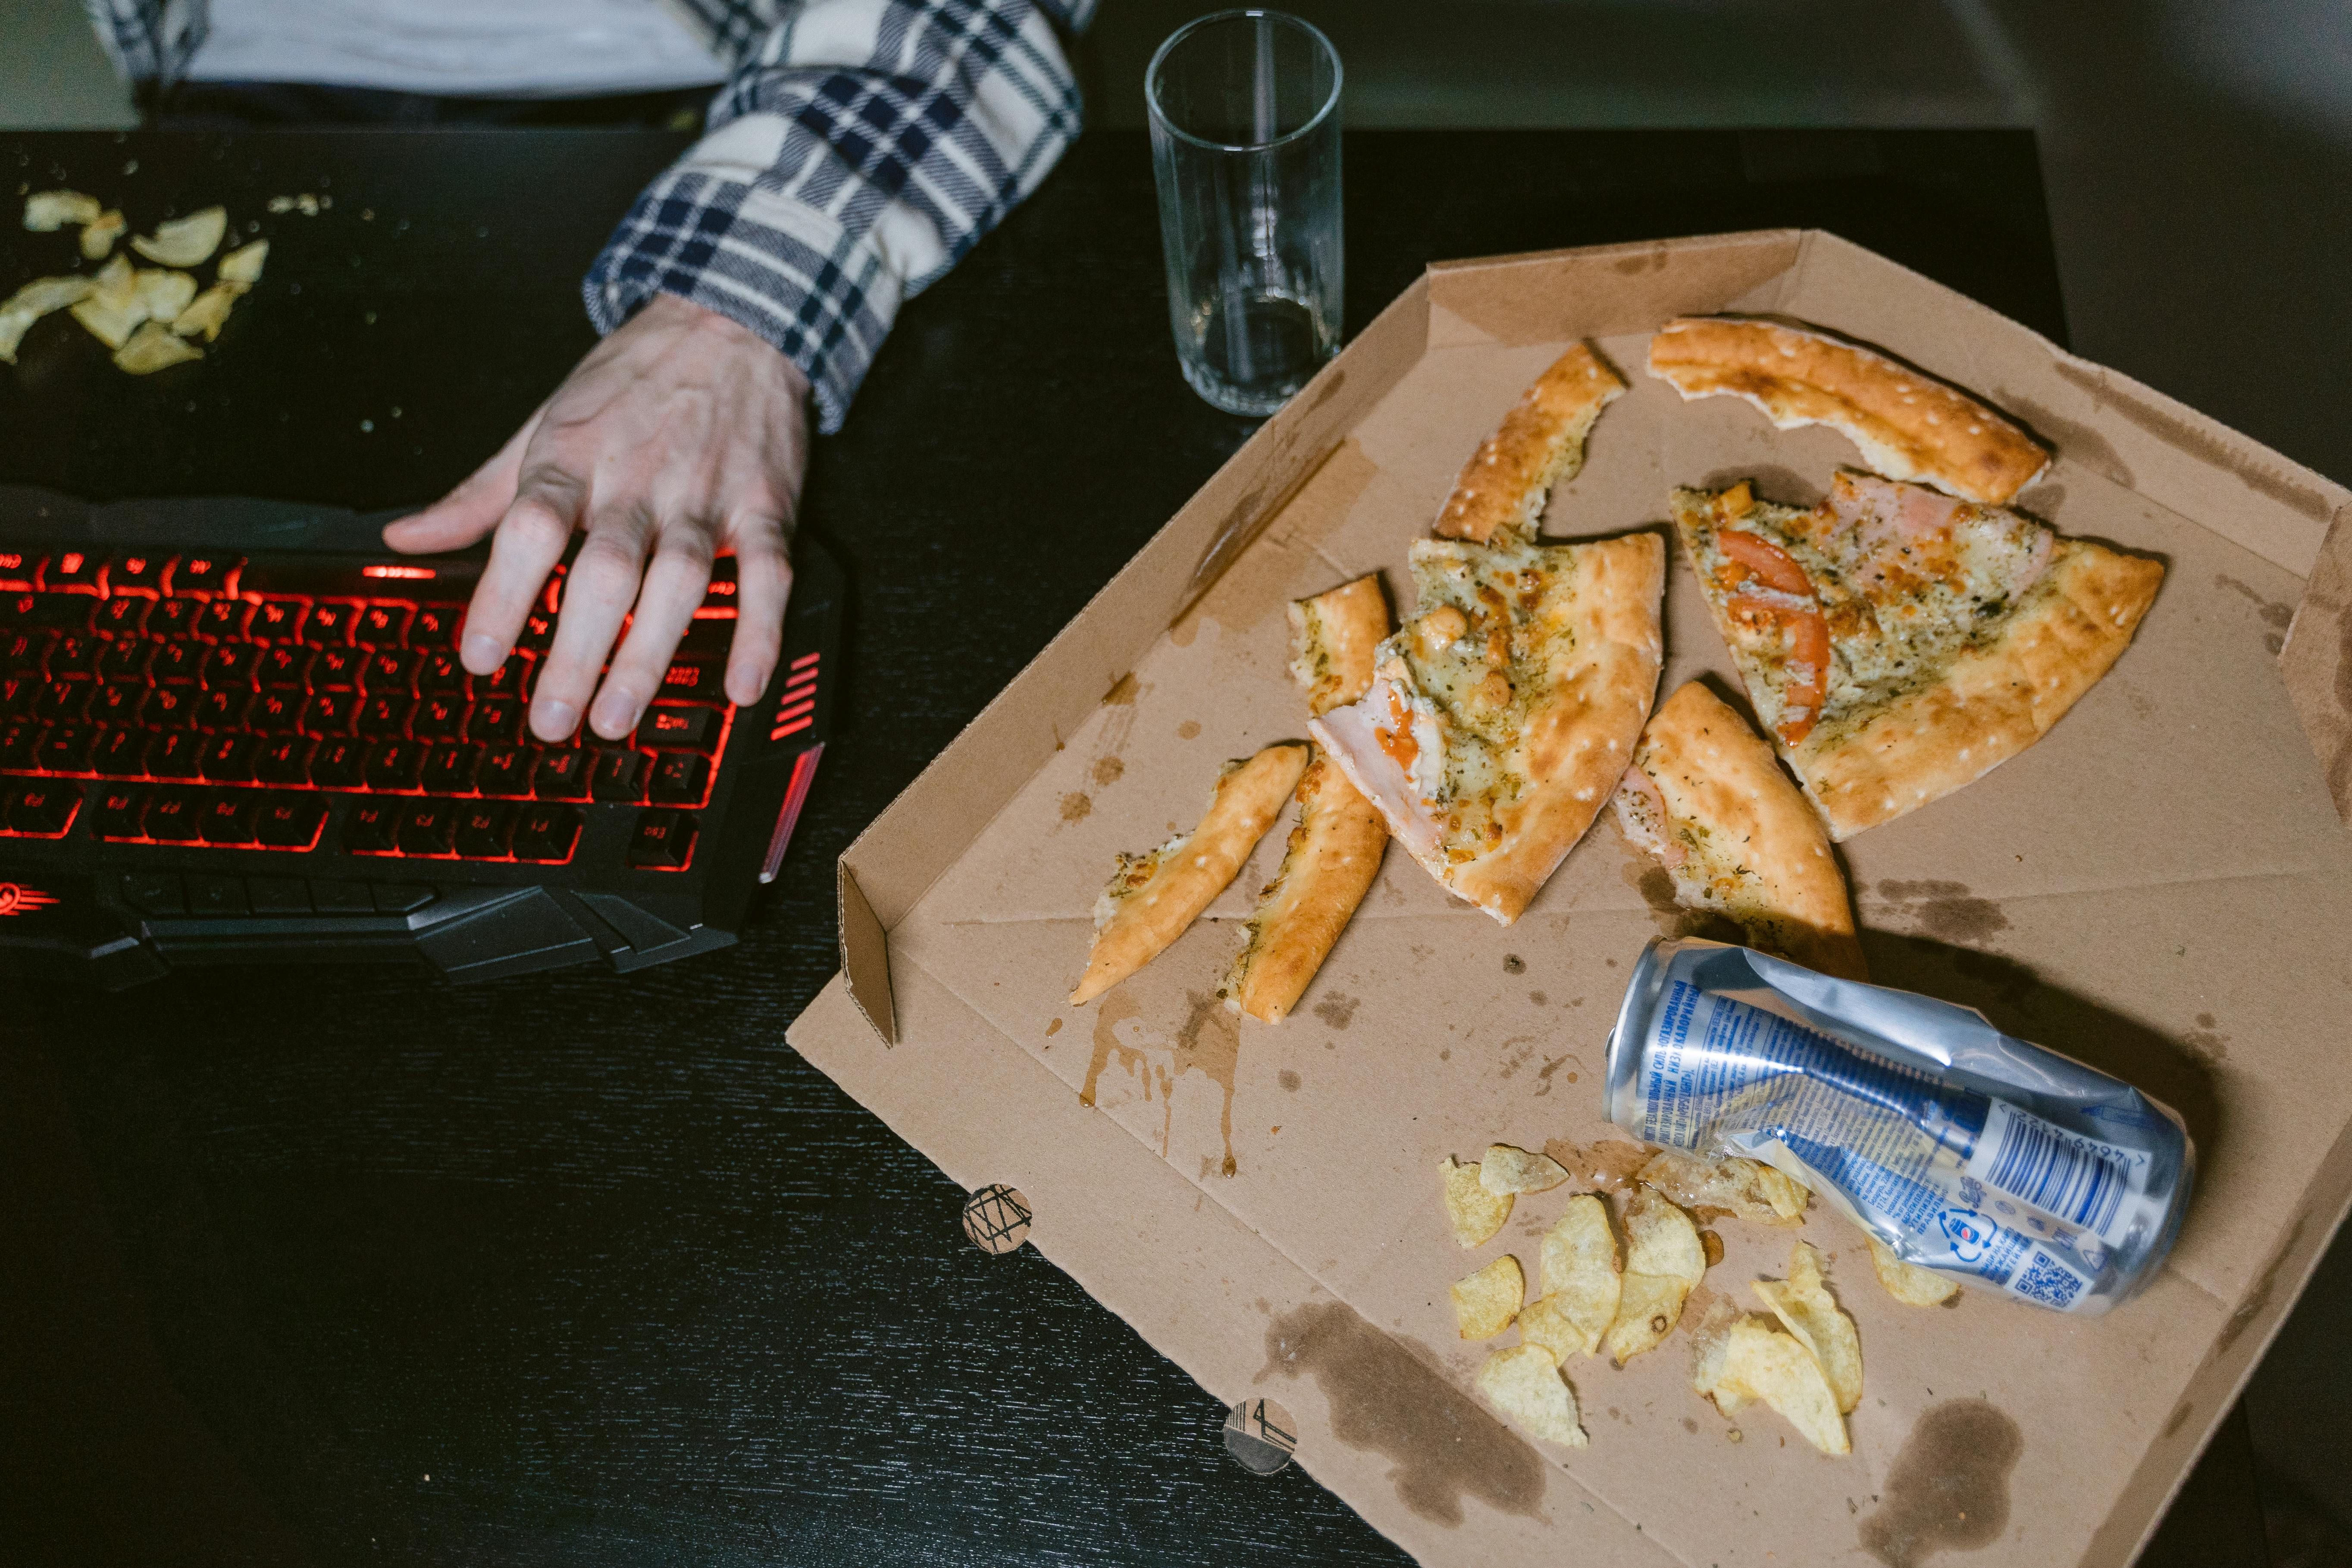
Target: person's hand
[[680, 437]]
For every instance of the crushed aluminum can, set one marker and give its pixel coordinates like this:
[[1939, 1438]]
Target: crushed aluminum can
[[1993, 1160]]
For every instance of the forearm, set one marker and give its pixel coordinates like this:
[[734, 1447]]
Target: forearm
[[864, 147]]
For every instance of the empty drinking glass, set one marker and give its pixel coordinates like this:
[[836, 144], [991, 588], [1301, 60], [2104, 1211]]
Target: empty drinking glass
[[1245, 147]]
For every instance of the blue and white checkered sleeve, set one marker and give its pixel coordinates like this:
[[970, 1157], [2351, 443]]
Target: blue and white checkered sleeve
[[860, 152]]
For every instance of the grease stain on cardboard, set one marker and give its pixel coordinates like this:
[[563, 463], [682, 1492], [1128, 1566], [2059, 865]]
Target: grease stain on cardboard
[[1949, 1490], [1336, 1010], [1207, 1042], [1949, 911], [1442, 1446]]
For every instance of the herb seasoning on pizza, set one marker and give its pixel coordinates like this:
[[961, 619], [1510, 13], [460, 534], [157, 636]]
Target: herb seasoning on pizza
[[1500, 721], [1899, 642], [1502, 487]]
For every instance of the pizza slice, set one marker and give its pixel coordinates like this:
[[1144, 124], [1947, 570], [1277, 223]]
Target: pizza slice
[[1908, 424], [1498, 722], [1706, 797], [1153, 897], [1899, 643], [1501, 490], [1334, 852]]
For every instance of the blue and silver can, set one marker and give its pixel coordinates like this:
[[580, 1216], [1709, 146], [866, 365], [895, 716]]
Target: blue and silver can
[[1993, 1160]]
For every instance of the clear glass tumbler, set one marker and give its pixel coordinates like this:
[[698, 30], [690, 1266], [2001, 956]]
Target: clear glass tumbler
[[1245, 146]]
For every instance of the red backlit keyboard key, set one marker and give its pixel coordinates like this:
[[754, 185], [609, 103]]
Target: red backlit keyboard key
[[20, 743], [229, 817], [274, 713], [429, 828], [663, 841], [25, 652], [121, 812], [562, 774], [231, 664], [438, 718], [137, 572], [63, 701], [331, 713], [176, 754], [66, 748], [46, 612], [619, 776], [43, 809], [546, 832], [486, 830], [285, 760], [381, 625], [223, 708], [689, 681], [394, 765], [175, 663], [121, 616], [126, 660], [200, 576], [511, 678], [276, 620], [169, 707], [449, 769], [338, 763], [505, 771], [679, 778], [17, 693], [494, 720], [73, 571], [174, 816], [385, 715], [224, 618], [121, 753], [117, 702], [330, 623], [537, 631], [390, 672], [174, 618], [228, 759], [374, 827], [281, 669], [289, 821], [335, 670], [683, 726], [440, 671], [436, 625], [74, 653], [16, 569]]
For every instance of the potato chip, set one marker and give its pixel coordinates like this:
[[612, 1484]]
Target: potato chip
[[112, 311], [1477, 1213], [1485, 1303], [1805, 1308], [98, 236], [1580, 1270], [46, 212], [1907, 1282], [184, 241], [1761, 1362], [1664, 1260], [207, 313], [1508, 1170], [1541, 1322], [154, 347], [164, 295], [1747, 1189], [242, 266], [1524, 1383], [30, 304], [1711, 1345]]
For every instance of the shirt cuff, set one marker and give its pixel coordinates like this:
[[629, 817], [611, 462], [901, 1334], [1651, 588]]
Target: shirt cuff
[[783, 269]]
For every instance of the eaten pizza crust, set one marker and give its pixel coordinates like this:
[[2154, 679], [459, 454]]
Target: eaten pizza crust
[[1328, 867], [1153, 897], [1332, 637], [1501, 491], [1899, 643], [1501, 719], [1908, 424], [1706, 797]]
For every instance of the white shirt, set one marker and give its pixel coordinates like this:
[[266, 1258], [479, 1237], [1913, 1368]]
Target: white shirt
[[458, 48]]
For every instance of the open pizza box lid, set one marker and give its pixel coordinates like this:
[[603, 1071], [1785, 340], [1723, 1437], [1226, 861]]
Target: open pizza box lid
[[2161, 887]]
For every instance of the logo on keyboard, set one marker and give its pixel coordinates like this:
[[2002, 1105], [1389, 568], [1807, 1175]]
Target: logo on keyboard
[[15, 899], [796, 709]]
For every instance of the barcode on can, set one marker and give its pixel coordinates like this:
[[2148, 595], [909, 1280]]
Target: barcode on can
[[2079, 1180]]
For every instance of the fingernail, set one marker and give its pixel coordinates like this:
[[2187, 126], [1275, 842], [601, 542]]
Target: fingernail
[[483, 653], [558, 719], [615, 715]]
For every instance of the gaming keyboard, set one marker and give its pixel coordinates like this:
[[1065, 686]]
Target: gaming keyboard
[[237, 731]]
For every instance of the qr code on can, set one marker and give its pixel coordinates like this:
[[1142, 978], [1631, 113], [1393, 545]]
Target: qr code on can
[[2050, 1283]]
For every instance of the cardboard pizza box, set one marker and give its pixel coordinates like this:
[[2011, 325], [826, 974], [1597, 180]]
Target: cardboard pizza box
[[2161, 887]]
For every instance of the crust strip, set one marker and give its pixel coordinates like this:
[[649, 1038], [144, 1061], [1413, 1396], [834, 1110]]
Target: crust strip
[[1332, 636], [1328, 867], [1908, 424], [1540, 444], [1153, 897]]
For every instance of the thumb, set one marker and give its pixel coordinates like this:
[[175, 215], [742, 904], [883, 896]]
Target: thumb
[[473, 509]]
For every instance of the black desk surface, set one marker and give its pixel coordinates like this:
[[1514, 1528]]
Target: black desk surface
[[343, 1265]]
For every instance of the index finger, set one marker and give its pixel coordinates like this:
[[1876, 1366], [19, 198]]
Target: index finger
[[529, 543]]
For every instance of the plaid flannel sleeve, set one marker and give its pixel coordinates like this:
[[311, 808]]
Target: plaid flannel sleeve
[[150, 41], [862, 147]]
